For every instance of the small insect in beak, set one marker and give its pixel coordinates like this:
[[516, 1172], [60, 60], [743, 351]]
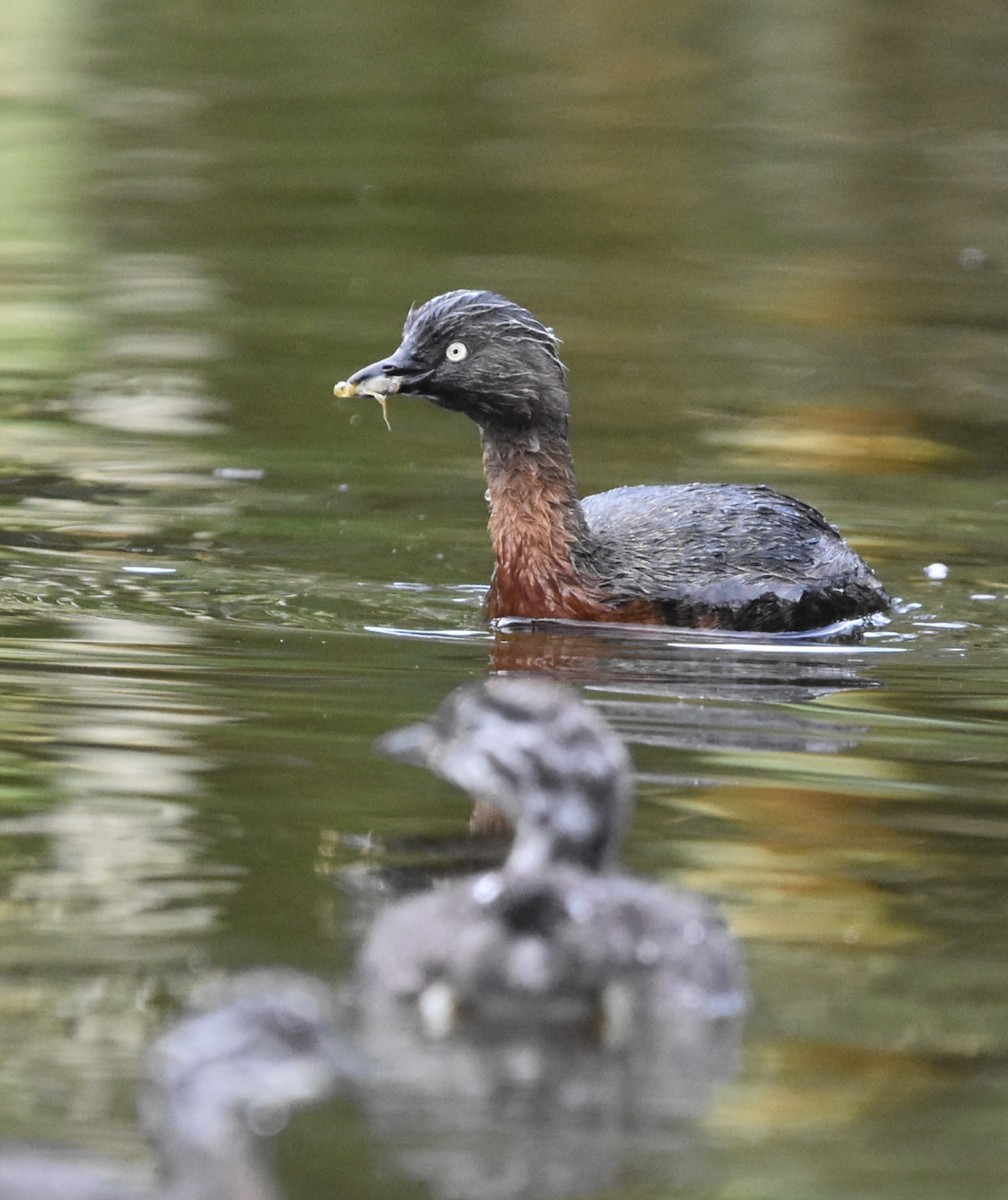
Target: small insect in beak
[[379, 388]]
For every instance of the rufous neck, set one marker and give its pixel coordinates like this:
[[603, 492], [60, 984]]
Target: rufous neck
[[531, 489], [536, 526]]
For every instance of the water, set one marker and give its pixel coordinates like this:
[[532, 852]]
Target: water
[[773, 243]]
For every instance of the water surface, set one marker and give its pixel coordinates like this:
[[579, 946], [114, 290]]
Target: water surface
[[773, 244]]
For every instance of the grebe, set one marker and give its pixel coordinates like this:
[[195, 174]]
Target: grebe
[[726, 556]]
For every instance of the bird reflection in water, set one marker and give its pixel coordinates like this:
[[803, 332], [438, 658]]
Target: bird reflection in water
[[217, 1085]]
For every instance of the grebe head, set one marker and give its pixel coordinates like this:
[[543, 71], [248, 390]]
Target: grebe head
[[538, 753], [477, 353], [217, 1084], [217, 1079]]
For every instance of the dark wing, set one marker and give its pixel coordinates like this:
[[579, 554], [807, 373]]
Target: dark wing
[[745, 555]]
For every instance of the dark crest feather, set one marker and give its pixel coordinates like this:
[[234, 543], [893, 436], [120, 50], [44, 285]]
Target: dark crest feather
[[455, 313]]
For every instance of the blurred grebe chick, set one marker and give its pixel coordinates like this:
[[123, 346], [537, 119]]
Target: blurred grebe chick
[[217, 1085], [549, 934]]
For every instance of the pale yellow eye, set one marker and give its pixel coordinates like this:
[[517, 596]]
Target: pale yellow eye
[[456, 352]]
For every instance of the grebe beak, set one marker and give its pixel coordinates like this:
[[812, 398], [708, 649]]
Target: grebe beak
[[400, 372]]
